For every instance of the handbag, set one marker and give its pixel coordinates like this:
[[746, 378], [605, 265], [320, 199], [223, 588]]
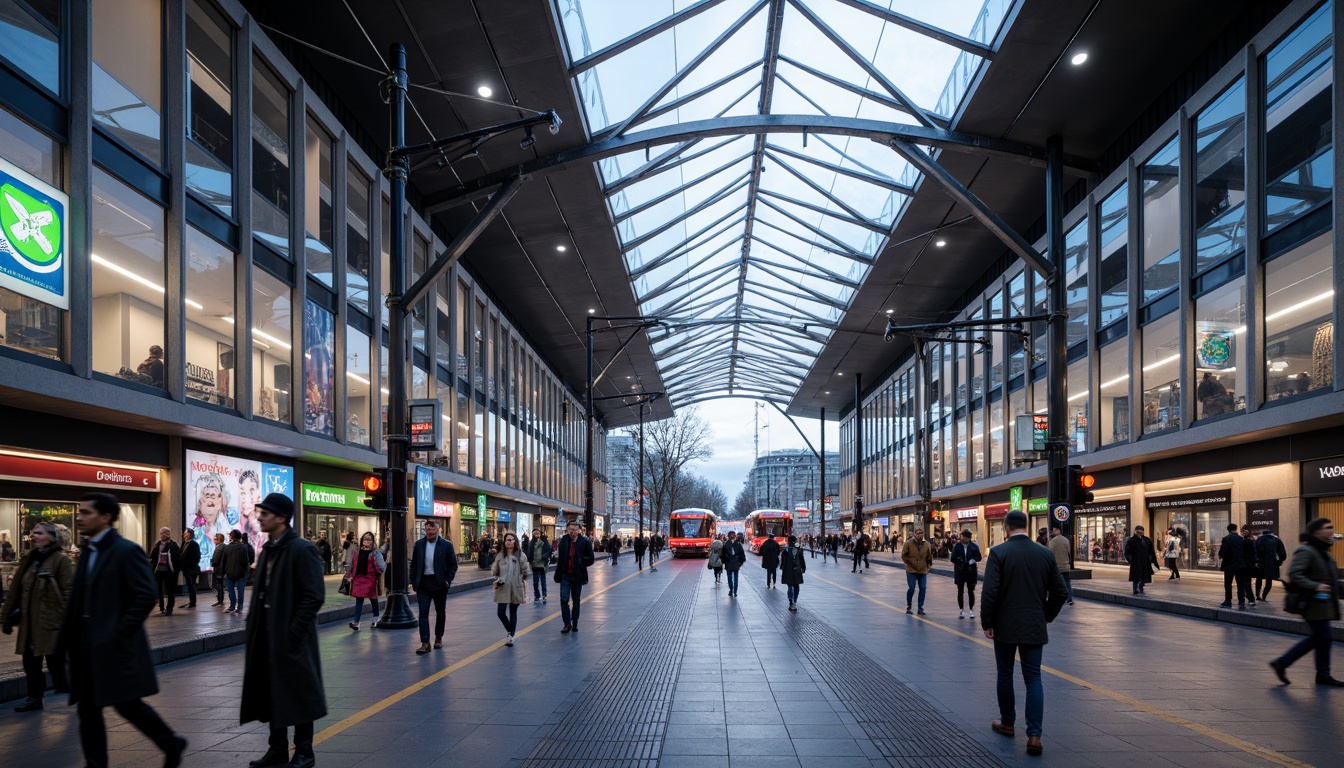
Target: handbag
[[344, 589], [1294, 601]]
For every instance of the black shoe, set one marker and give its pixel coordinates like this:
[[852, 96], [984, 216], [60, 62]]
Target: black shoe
[[172, 756], [566, 630], [271, 758], [302, 761], [1280, 671], [1329, 681], [574, 627], [31, 705], [216, 605], [907, 609], [1224, 605], [921, 611]]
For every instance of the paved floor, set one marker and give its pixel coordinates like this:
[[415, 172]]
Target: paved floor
[[668, 671]]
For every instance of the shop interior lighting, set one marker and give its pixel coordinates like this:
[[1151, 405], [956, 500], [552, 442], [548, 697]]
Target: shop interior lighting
[[356, 377], [141, 280], [269, 337]]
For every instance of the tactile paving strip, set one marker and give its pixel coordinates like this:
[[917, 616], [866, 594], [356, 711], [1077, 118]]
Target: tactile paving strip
[[895, 717], [618, 717]]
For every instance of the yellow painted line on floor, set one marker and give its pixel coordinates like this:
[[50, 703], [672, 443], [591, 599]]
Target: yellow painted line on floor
[[414, 688], [1203, 730]]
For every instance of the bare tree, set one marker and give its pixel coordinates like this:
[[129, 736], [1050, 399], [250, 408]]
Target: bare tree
[[745, 502], [697, 491], [670, 447]]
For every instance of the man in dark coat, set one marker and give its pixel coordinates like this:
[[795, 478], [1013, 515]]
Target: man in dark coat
[[282, 673], [432, 574], [235, 561], [792, 566], [1232, 554], [165, 560], [104, 638], [965, 571], [483, 551], [1271, 554], [734, 556], [641, 544], [1252, 569], [191, 564], [1142, 558], [614, 547], [770, 550], [324, 549], [1023, 592], [574, 553]]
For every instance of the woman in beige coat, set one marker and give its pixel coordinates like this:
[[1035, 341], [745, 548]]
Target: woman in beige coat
[[510, 571], [39, 594]]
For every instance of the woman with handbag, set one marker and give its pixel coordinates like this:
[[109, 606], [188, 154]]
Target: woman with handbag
[[510, 570], [365, 566], [1314, 592], [36, 605]]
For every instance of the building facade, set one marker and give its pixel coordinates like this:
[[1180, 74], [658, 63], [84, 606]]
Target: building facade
[[790, 478]]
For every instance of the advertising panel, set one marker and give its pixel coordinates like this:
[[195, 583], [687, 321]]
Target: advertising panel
[[424, 491], [1262, 516], [33, 236], [221, 495]]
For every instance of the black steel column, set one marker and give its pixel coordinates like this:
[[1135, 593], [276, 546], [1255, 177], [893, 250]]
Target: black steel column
[[924, 437], [639, 481], [821, 495], [398, 613], [858, 454], [588, 452], [1057, 364]]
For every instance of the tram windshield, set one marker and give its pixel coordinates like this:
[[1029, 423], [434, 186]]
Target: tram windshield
[[689, 528], [774, 527]]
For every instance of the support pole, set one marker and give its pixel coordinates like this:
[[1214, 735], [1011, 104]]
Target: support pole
[[1057, 364], [858, 454], [639, 481], [821, 494], [588, 521]]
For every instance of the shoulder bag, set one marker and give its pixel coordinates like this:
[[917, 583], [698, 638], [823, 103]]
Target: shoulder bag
[[344, 589]]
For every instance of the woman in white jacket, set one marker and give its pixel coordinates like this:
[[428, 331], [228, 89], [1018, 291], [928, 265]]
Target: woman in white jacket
[[510, 571]]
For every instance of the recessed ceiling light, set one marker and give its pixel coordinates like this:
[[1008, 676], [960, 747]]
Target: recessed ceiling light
[[940, 243], [561, 248], [485, 91], [837, 373], [592, 311], [1078, 58], [890, 311], [828, 392]]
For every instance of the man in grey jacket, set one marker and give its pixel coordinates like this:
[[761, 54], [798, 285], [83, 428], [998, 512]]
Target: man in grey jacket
[[1023, 592]]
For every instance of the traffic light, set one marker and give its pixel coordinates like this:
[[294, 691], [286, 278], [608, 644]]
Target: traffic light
[[1080, 486], [375, 488]]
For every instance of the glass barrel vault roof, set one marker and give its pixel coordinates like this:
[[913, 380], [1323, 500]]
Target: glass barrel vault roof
[[752, 247]]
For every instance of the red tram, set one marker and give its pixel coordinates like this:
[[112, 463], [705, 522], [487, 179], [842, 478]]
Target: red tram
[[765, 524], [690, 531]]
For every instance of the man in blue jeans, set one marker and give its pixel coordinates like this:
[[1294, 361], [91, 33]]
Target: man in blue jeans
[[574, 553], [733, 559], [433, 568], [1023, 592], [235, 562], [539, 555], [917, 556]]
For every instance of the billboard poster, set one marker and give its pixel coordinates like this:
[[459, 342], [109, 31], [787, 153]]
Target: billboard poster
[[319, 372], [33, 235], [221, 493]]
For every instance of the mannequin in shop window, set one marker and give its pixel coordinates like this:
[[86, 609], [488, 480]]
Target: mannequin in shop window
[[152, 367]]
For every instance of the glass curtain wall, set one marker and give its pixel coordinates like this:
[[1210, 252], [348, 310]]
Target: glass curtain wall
[[358, 378], [1161, 370], [1161, 220], [210, 320], [272, 324], [128, 73], [1220, 350], [1220, 178], [1298, 151], [1113, 366], [1113, 266], [318, 200], [209, 146], [30, 40], [357, 252], [128, 283], [270, 159], [1299, 329]]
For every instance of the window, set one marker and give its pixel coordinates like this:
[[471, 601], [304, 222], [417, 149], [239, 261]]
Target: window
[[478, 332], [461, 321], [1017, 307], [1112, 273], [358, 376], [1298, 149], [1220, 178], [1161, 371], [1220, 350], [1077, 394], [1040, 346], [128, 277], [1114, 392], [443, 349], [209, 148], [271, 347], [319, 216], [357, 236], [270, 159], [209, 320], [1161, 220], [419, 264], [996, 350], [26, 323], [319, 369], [996, 438], [1075, 281], [128, 76], [30, 35], [1299, 328]]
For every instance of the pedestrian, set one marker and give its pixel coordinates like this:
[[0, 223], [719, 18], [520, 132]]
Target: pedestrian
[[540, 557], [191, 564], [164, 559], [510, 571], [1171, 554], [655, 549], [282, 667], [1042, 538], [1314, 575], [770, 560], [734, 557], [1252, 568], [324, 549], [363, 572], [347, 544], [573, 556], [716, 558], [1142, 559], [1271, 554], [483, 552], [917, 554], [1232, 557], [103, 635], [433, 568], [792, 567], [217, 570], [966, 572], [640, 546], [1063, 551], [235, 563], [1023, 592], [36, 598], [860, 553], [614, 547]]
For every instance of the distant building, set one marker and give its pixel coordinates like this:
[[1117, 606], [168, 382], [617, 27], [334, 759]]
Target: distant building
[[622, 487], [791, 477]]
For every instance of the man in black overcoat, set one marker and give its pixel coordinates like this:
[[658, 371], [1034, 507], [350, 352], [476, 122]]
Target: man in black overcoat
[[104, 638], [574, 553], [1141, 555], [191, 564], [770, 560], [282, 675], [1232, 557], [641, 544]]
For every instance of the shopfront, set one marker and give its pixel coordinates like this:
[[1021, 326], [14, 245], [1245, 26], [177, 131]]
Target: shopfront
[[546, 526], [994, 514], [1323, 492], [332, 511], [470, 535], [1100, 530], [966, 519], [1038, 517], [440, 512], [1199, 519]]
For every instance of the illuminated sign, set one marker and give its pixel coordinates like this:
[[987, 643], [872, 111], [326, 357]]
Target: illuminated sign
[[443, 509], [423, 417], [33, 236], [91, 474], [333, 497], [424, 491]]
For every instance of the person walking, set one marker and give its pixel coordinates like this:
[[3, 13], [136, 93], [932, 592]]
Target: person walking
[[191, 564], [1271, 554], [917, 554], [164, 559], [103, 635], [614, 547], [655, 549], [347, 547], [1232, 557], [716, 558], [37, 597], [539, 556], [965, 571], [282, 667], [1063, 551], [483, 552], [433, 568], [1252, 568], [235, 563], [640, 546], [1171, 554], [860, 553], [1142, 559], [217, 570], [1023, 592], [324, 549], [510, 571], [734, 557], [1314, 575], [574, 554], [770, 550], [364, 571], [792, 566]]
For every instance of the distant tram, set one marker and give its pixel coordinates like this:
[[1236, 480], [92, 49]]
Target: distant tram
[[690, 531], [765, 524]]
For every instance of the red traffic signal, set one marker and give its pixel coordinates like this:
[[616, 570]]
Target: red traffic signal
[[375, 489], [1080, 485]]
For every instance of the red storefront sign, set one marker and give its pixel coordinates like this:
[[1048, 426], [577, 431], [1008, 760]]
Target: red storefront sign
[[995, 511], [443, 509], [32, 469]]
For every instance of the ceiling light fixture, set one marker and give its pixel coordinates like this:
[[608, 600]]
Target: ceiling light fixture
[[890, 311], [1078, 58], [940, 243], [485, 92], [592, 311], [269, 337], [561, 248]]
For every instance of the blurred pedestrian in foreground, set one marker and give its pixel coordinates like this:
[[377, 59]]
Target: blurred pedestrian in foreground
[[1315, 576], [39, 593]]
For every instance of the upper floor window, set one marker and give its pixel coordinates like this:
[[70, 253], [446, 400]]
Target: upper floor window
[[1298, 149], [209, 148], [128, 73], [270, 159], [1113, 266], [1220, 178], [30, 39], [319, 216], [1160, 177]]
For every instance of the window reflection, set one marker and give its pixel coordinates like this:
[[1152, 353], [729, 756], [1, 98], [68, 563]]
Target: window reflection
[[358, 378], [1299, 331], [128, 76], [357, 267], [1113, 271], [319, 369], [26, 323], [319, 215], [211, 363], [271, 347], [270, 159], [1161, 375], [1220, 350], [1161, 220], [1075, 281], [1113, 391], [1220, 178], [209, 148], [1298, 149], [128, 283], [30, 37]]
